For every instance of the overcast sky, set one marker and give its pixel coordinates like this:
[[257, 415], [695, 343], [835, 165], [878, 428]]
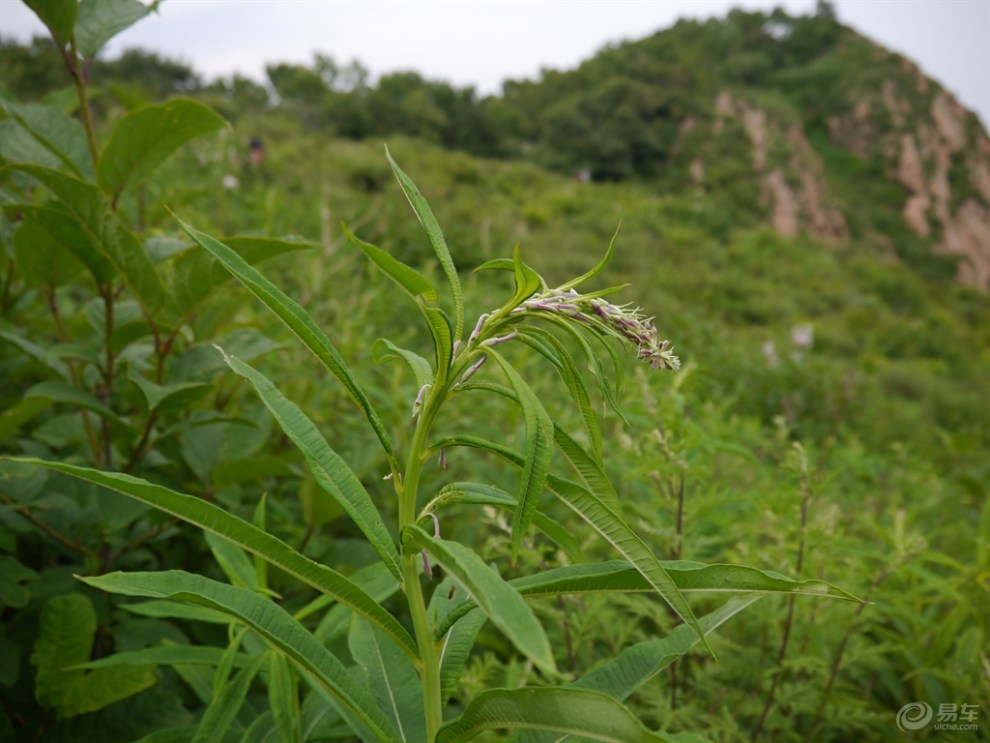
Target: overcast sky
[[482, 43]]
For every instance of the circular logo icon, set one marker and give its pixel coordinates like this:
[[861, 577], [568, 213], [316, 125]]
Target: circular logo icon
[[914, 716]]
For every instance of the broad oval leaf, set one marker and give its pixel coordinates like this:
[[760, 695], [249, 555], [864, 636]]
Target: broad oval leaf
[[270, 621], [48, 137], [500, 602], [144, 138], [58, 15], [98, 21], [216, 520], [561, 709]]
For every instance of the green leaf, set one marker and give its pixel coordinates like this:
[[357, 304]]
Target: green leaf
[[330, 471], [171, 610], [384, 350], [66, 233], [48, 137], [528, 282], [561, 709], [575, 385], [91, 211], [65, 639], [194, 275], [169, 396], [457, 643], [12, 577], [58, 15], [62, 392], [298, 321], [621, 676], [376, 580], [270, 621], [597, 269], [283, 699], [143, 139], [233, 562], [221, 711], [411, 280], [619, 575], [216, 520], [539, 431], [605, 521], [393, 679], [628, 544], [589, 470], [165, 655], [103, 687], [474, 493], [500, 602], [41, 258], [99, 21], [435, 234]]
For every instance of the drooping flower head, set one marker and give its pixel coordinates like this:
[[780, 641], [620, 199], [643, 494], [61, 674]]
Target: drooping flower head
[[619, 321]]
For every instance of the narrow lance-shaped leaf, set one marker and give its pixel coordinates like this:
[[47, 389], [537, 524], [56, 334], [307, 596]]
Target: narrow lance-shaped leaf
[[473, 493], [597, 268], [422, 292], [216, 520], [503, 605], [393, 680], [621, 676], [383, 350], [620, 576], [299, 322], [143, 139], [330, 471], [455, 645], [283, 698], [220, 713], [273, 624], [615, 530], [539, 431], [435, 234], [561, 709], [606, 522]]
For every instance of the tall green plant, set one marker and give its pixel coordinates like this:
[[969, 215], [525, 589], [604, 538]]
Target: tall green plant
[[374, 699]]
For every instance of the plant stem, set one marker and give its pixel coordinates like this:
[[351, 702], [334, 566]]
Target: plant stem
[[72, 60], [63, 337], [789, 622], [408, 487], [108, 370]]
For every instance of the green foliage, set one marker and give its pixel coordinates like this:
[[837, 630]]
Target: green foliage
[[603, 552]]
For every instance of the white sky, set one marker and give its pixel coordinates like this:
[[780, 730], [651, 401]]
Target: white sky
[[482, 43]]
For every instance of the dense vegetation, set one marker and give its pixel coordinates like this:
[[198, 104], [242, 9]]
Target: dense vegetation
[[830, 420]]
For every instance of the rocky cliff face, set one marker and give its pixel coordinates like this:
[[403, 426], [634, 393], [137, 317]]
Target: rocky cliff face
[[921, 138]]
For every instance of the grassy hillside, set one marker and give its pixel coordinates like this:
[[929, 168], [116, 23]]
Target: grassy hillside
[[831, 419]]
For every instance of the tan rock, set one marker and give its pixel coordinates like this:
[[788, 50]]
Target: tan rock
[[968, 236], [697, 169], [910, 171], [783, 205], [755, 123], [948, 118], [916, 213]]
